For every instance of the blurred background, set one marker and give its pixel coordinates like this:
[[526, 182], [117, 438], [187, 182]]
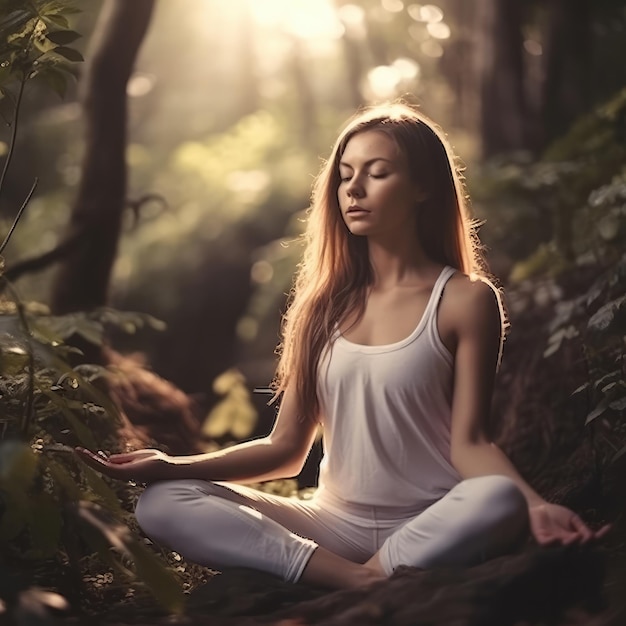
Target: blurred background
[[232, 107]]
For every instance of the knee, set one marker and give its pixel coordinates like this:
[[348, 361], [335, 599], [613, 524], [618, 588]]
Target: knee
[[155, 506], [504, 498]]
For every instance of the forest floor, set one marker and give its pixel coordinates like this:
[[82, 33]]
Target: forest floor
[[536, 586]]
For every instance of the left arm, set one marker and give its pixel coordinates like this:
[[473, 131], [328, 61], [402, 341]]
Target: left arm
[[476, 323]]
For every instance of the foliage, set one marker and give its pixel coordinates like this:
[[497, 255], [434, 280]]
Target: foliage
[[545, 214], [35, 37], [571, 208], [599, 316], [52, 506], [234, 414]]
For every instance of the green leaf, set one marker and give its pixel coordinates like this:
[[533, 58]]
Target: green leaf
[[580, 389], [602, 407], [128, 321], [13, 360], [100, 488], [98, 543], [611, 377], [56, 19], [159, 578], [82, 433], [43, 332], [619, 454], [95, 394], [57, 81], [64, 483], [69, 53], [18, 465], [64, 326], [609, 318], [63, 37], [150, 569], [69, 10], [43, 45], [27, 28]]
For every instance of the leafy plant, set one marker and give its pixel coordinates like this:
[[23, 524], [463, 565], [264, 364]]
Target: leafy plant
[[51, 506], [35, 37]]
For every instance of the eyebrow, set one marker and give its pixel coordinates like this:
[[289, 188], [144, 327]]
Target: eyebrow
[[367, 162]]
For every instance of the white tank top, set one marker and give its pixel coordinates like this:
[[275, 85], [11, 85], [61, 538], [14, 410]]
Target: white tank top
[[386, 416]]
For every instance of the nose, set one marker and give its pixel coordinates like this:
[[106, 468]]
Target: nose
[[354, 189]]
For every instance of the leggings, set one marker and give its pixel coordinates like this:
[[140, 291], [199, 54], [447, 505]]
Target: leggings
[[226, 525]]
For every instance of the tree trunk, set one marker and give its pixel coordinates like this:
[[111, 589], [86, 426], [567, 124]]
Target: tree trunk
[[567, 61], [503, 112], [461, 62], [83, 278]]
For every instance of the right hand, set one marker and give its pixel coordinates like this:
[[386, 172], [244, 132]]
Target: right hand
[[141, 465]]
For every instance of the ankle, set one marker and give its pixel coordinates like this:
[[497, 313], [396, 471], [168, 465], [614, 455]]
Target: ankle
[[367, 575]]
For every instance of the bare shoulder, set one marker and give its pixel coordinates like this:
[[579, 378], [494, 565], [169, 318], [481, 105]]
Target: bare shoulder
[[470, 303], [472, 292]]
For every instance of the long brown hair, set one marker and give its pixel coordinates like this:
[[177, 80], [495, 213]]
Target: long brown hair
[[332, 279]]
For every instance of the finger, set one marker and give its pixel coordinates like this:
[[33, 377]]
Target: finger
[[543, 537], [571, 539], [88, 455], [91, 457], [602, 532], [96, 462], [583, 531]]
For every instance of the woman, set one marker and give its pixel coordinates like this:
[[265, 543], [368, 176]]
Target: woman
[[391, 342]]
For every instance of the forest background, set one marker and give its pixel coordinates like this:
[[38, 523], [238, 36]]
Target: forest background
[[143, 285]]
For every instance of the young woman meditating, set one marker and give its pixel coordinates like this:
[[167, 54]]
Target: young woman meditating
[[391, 342]]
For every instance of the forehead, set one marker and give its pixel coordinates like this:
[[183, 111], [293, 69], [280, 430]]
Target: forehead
[[370, 145]]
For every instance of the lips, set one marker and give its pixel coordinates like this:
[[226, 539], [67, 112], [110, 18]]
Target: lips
[[356, 210]]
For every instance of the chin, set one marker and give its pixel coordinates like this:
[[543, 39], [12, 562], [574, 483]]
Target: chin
[[359, 230]]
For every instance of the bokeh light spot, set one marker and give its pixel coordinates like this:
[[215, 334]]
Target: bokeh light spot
[[533, 47], [393, 6], [383, 81], [262, 272], [430, 13], [353, 19], [431, 49], [438, 30], [140, 85], [407, 68]]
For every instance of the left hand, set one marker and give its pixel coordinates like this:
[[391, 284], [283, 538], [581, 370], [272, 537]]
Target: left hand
[[141, 465], [553, 523]]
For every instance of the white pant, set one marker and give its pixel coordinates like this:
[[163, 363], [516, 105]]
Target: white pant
[[226, 525]]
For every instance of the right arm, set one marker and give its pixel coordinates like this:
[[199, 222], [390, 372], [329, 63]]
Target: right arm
[[281, 454]]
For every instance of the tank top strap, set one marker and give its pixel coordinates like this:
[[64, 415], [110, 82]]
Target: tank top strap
[[446, 273], [431, 329]]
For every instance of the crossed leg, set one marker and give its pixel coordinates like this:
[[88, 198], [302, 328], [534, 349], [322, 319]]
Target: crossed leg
[[226, 526]]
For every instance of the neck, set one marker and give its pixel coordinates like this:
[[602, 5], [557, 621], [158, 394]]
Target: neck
[[398, 263]]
